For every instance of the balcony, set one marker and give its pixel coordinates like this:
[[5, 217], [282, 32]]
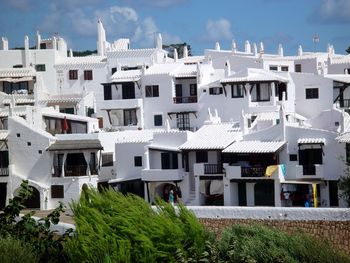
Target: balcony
[[159, 175], [238, 172], [345, 103], [207, 169], [4, 171], [122, 104], [313, 171], [180, 100], [253, 171]]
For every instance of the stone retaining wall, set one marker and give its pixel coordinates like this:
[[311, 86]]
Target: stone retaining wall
[[323, 223]]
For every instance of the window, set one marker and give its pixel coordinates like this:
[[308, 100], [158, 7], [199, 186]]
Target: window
[[16, 87], [130, 118], [152, 91], [107, 159], [284, 68], [311, 93], [107, 92], [237, 91], [169, 160], [42, 45], [18, 66], [293, 157], [73, 74], [40, 67], [88, 75], [57, 191], [274, 68], [193, 89], [128, 90], [297, 67], [260, 92], [114, 70], [183, 121], [138, 161], [201, 157], [158, 120], [215, 90], [308, 157]]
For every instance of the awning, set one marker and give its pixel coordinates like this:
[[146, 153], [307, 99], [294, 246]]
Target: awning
[[344, 137], [124, 179], [255, 147], [61, 145], [126, 76], [15, 80], [301, 182], [159, 147], [311, 141]]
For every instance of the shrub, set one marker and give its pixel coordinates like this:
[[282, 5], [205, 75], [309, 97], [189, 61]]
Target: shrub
[[112, 227], [260, 244], [15, 251]]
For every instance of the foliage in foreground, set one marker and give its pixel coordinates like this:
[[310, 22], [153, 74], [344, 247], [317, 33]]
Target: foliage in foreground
[[46, 245], [15, 251], [111, 227], [257, 243]]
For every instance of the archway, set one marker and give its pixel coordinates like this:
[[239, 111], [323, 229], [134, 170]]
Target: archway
[[163, 190], [33, 201]]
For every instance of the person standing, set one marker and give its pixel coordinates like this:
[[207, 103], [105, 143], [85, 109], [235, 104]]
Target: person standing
[[171, 197]]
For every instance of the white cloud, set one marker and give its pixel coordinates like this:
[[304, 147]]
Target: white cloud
[[217, 30], [332, 11]]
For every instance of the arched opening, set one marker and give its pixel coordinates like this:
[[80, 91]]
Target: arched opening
[[163, 191], [34, 200]]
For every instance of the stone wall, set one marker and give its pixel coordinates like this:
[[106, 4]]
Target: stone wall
[[332, 224], [337, 233]]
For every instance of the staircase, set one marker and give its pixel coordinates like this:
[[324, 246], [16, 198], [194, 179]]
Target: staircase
[[191, 199]]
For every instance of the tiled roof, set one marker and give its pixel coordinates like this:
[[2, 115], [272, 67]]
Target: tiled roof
[[345, 137], [311, 140], [267, 116], [251, 74], [88, 61], [5, 113], [345, 78], [192, 59], [164, 68], [254, 147], [126, 75], [17, 72], [341, 60], [132, 53], [3, 135], [19, 100], [185, 71], [134, 136], [213, 137], [63, 98], [75, 145]]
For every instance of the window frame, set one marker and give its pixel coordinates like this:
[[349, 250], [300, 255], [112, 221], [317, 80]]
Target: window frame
[[215, 91], [73, 74], [311, 93], [237, 90], [138, 161], [88, 74], [158, 120], [109, 162], [151, 91]]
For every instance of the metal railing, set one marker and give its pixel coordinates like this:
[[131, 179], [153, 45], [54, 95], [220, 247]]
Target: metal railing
[[345, 103], [75, 170], [212, 168], [253, 171], [190, 99], [4, 171]]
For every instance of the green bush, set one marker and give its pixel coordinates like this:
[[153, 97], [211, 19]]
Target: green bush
[[112, 227], [256, 243], [15, 251]]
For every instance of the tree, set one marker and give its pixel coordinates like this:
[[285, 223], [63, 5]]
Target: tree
[[179, 47], [348, 50]]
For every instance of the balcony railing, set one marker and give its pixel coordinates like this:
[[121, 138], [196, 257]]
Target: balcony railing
[[75, 170], [253, 171], [190, 99], [212, 168], [4, 171], [345, 103]]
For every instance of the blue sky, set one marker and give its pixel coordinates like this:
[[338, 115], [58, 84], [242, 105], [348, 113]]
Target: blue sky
[[196, 22]]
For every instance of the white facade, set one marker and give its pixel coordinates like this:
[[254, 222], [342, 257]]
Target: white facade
[[223, 127]]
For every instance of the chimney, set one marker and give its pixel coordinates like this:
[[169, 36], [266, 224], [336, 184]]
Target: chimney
[[234, 46], [280, 50], [261, 48], [26, 51], [175, 55], [70, 53], [38, 40], [255, 49], [159, 41], [247, 47], [4, 44], [185, 52], [300, 51], [217, 46], [101, 41]]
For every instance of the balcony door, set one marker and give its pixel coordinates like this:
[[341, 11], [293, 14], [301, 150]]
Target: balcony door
[[183, 121], [308, 158], [128, 90]]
